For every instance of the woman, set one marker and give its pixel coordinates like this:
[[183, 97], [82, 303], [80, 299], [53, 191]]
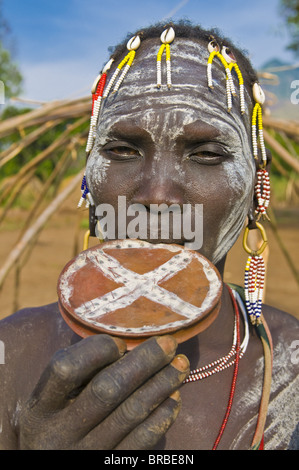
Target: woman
[[174, 142]]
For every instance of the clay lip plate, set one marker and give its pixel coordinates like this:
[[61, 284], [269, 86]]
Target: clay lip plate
[[135, 289]]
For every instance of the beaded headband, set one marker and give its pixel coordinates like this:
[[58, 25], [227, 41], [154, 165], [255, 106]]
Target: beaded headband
[[101, 90]]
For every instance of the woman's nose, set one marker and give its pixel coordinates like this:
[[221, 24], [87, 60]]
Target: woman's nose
[[159, 190]]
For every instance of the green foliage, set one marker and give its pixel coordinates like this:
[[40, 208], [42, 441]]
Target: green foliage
[[290, 11], [9, 74], [44, 168]]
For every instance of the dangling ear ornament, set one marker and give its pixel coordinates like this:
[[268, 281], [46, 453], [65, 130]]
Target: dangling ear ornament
[[232, 63], [254, 277], [86, 196], [214, 50], [230, 60], [262, 187], [166, 38], [97, 90], [262, 192], [259, 98]]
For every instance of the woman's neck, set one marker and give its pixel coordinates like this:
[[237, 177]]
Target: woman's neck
[[216, 340]]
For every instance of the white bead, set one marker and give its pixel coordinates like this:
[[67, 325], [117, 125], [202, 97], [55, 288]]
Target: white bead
[[110, 84], [229, 96], [80, 202], [242, 99], [258, 93], [133, 43], [159, 75], [167, 36], [230, 80], [209, 75], [121, 78], [90, 199], [168, 73]]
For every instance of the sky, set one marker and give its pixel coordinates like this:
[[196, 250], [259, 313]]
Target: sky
[[61, 45]]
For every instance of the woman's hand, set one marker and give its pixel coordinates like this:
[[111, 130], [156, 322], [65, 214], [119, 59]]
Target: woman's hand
[[94, 396]]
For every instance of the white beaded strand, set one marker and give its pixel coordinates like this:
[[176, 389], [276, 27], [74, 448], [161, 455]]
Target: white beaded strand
[[224, 362], [242, 98], [168, 73], [166, 38]]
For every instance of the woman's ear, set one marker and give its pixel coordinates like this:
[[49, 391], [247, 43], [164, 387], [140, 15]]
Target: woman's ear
[[251, 214], [258, 162], [92, 220]]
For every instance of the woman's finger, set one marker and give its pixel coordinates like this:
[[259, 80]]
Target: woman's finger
[[71, 368], [139, 405], [149, 432], [115, 383]]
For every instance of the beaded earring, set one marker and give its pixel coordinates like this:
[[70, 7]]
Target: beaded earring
[[166, 38], [259, 98], [262, 187], [99, 92], [254, 279], [85, 194]]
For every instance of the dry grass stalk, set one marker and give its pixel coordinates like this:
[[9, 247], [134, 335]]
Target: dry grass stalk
[[37, 226]]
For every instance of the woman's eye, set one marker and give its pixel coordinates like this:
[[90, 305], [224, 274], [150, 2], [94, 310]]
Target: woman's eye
[[121, 152], [209, 154]]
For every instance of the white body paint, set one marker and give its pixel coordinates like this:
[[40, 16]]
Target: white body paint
[[188, 97]]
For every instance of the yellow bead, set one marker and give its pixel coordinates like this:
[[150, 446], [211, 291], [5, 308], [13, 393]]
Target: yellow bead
[[167, 52]]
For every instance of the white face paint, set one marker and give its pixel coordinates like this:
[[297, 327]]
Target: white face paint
[[166, 128]]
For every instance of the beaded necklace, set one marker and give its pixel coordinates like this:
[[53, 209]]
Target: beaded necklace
[[226, 361], [237, 351]]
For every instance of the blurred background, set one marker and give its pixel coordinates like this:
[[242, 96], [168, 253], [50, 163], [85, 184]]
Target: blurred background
[[50, 53]]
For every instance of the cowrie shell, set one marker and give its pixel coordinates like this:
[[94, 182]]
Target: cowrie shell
[[105, 69], [108, 66], [228, 55], [258, 93], [133, 43], [95, 83], [213, 46], [167, 36]]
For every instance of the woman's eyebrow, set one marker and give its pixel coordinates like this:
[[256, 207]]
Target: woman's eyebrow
[[126, 130], [199, 130]]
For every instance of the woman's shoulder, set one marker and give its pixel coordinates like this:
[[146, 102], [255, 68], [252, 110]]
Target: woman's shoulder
[[280, 323], [32, 328], [283, 413]]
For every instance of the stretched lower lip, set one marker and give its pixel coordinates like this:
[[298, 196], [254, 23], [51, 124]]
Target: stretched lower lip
[[163, 241]]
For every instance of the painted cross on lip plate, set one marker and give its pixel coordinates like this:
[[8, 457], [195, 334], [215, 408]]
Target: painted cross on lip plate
[[135, 285]]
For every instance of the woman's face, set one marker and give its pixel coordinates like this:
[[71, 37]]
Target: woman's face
[[176, 146]]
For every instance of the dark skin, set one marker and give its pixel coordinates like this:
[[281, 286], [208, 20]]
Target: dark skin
[[63, 392]]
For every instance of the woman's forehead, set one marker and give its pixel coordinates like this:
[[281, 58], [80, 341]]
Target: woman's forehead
[[189, 91]]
